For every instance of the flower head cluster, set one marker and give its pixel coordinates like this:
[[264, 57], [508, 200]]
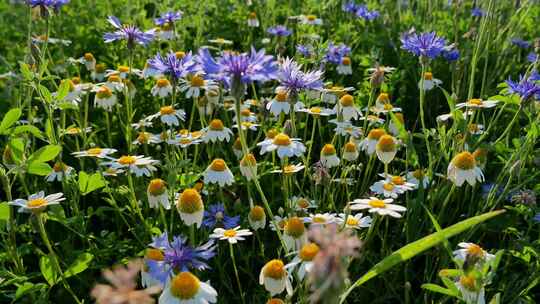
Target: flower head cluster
[[526, 88], [292, 79], [427, 45], [173, 66], [132, 34]]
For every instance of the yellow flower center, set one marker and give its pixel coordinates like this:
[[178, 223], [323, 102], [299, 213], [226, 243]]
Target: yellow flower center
[[315, 110], [185, 285], [388, 186], [114, 78], [480, 155], [377, 204], [473, 128], [302, 203], [180, 54], [252, 15], [398, 180], [166, 110], [468, 282], [59, 166], [428, 76], [289, 169], [282, 140], [94, 151], [311, 17], [143, 137], [295, 227], [88, 57], [185, 141], [319, 219], [36, 203], [308, 251], [162, 83], [464, 161], [418, 174], [100, 68], [475, 101], [275, 301], [375, 134], [350, 147], [475, 251], [281, 96], [167, 27], [271, 133], [256, 213], [237, 144], [197, 81], [245, 112], [352, 221], [388, 107], [328, 149], [123, 69], [346, 100], [127, 160], [218, 164], [73, 130], [216, 125], [154, 254], [274, 269], [346, 60], [383, 98], [248, 160], [157, 186], [104, 92], [75, 80], [386, 143], [229, 233], [190, 201], [196, 134]]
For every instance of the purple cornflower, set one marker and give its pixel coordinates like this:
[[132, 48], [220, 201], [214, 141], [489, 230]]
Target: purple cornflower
[[132, 34], [349, 7], [245, 67], [451, 54], [178, 256], [520, 43], [168, 18], [363, 12], [279, 31], [535, 76], [477, 12], [292, 79], [526, 88], [532, 57], [335, 53], [215, 217], [44, 4], [173, 66], [424, 45], [305, 50]]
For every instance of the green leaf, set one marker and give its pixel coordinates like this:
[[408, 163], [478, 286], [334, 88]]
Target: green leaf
[[89, 183], [28, 128], [9, 119], [412, 249], [38, 168], [496, 299], [63, 90], [45, 94], [439, 289], [45, 154], [67, 106], [26, 288], [17, 149], [449, 99], [4, 211], [25, 71], [47, 270], [79, 265]]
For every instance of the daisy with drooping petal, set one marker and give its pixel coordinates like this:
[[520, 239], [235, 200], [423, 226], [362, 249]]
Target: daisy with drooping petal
[[190, 206], [162, 88], [257, 217], [346, 108], [248, 166], [303, 262], [303, 204], [373, 119], [216, 132], [169, 115], [105, 98], [329, 158], [59, 171], [418, 177], [192, 85], [429, 82], [388, 188], [98, 74], [37, 202], [218, 173], [386, 148], [252, 20], [472, 251], [157, 194], [350, 151], [280, 104], [357, 221], [94, 152], [471, 290], [275, 278], [477, 103], [310, 20], [115, 83], [136, 164], [463, 168], [346, 128], [317, 112], [290, 169], [231, 235], [89, 61], [294, 234], [186, 288], [344, 68], [285, 146], [369, 144], [381, 207], [320, 219]]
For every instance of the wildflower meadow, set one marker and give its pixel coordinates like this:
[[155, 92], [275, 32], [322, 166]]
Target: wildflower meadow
[[269, 151]]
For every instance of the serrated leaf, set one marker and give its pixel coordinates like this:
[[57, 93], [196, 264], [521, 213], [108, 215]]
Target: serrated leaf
[[38, 168], [47, 270], [412, 249], [79, 265], [89, 183], [9, 119], [45, 154], [28, 129], [439, 289]]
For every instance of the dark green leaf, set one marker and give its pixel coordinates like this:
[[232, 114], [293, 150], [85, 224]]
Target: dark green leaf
[[45, 154], [47, 270], [79, 265]]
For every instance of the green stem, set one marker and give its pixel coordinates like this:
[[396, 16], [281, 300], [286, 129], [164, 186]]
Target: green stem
[[231, 250]]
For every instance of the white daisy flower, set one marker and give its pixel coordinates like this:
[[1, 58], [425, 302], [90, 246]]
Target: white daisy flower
[[190, 206], [294, 233], [231, 235], [429, 82], [477, 104], [246, 115], [162, 88], [89, 61], [303, 261], [58, 172], [357, 221], [290, 169], [373, 120], [216, 132], [252, 20], [169, 115], [472, 250], [186, 288], [416, 177], [321, 219], [218, 173], [37, 202], [470, 290], [115, 83], [123, 72], [257, 218], [329, 158], [310, 20], [136, 164], [350, 151], [285, 146], [381, 207], [248, 166], [76, 130], [303, 204], [330, 95], [369, 144], [344, 68], [157, 194], [317, 111], [275, 278], [386, 148], [104, 98], [246, 125], [98, 74], [195, 84], [280, 104], [346, 128], [95, 152], [221, 41], [463, 168]]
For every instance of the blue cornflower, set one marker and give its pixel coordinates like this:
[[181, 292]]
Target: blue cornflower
[[305, 50], [174, 66], [349, 7], [520, 43], [477, 12], [536, 218], [55, 4], [215, 217], [526, 88], [427, 45], [132, 34], [279, 30], [168, 18], [335, 53], [245, 67], [363, 12], [451, 54], [535, 76], [292, 79], [533, 57], [487, 187]]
